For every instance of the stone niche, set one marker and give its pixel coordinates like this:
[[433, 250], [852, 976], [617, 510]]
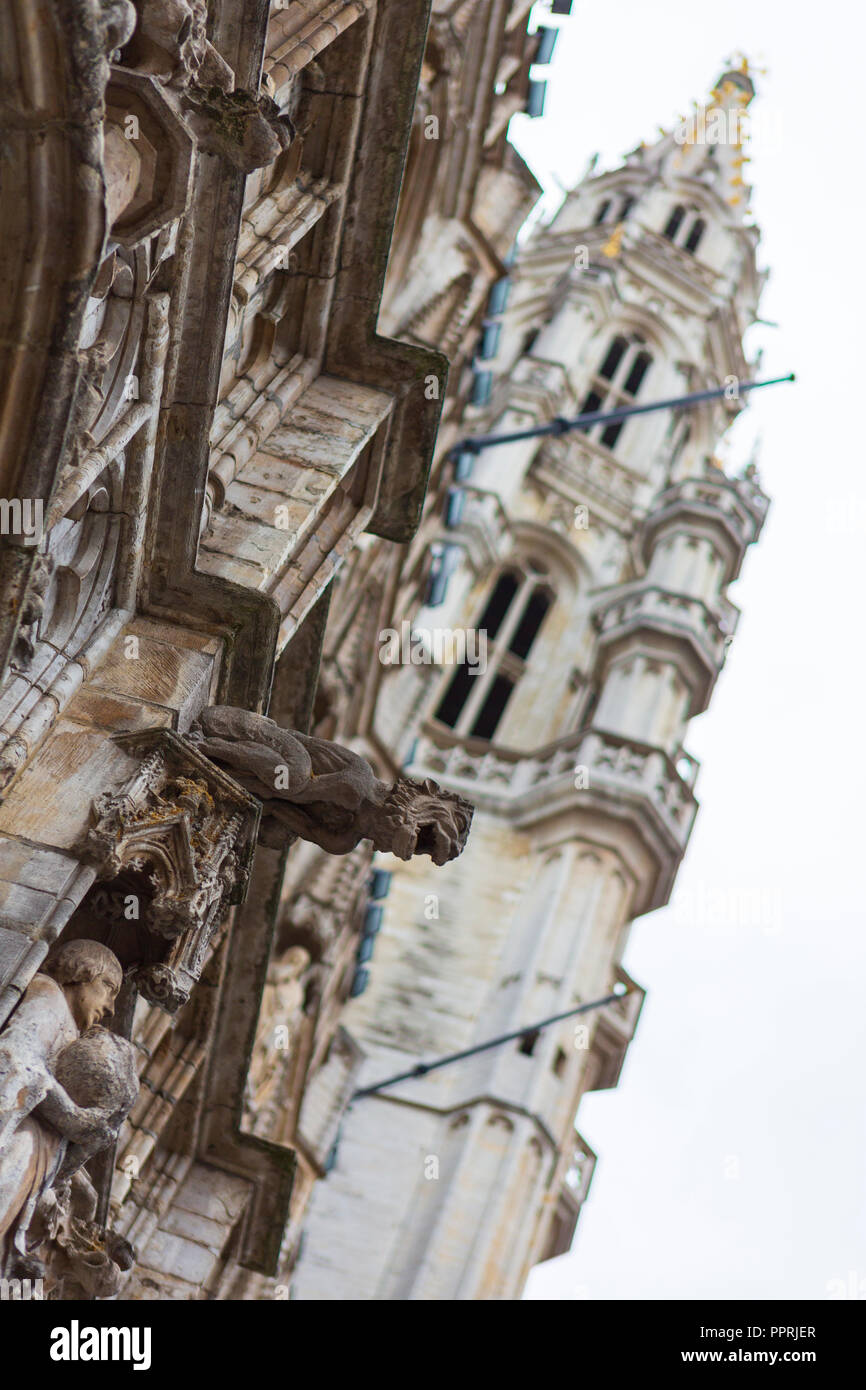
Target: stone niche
[[172, 849]]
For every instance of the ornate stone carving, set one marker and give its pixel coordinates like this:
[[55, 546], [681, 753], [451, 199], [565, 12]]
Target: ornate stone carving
[[246, 130], [275, 1049], [187, 831], [79, 1258], [32, 611], [325, 793], [66, 1086], [170, 43]]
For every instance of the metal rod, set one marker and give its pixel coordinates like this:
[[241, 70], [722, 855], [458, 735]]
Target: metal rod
[[475, 443], [423, 1067]]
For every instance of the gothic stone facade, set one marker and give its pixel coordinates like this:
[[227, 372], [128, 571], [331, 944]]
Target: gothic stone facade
[[203, 422]]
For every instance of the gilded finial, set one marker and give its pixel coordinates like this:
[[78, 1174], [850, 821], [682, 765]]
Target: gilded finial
[[613, 246]]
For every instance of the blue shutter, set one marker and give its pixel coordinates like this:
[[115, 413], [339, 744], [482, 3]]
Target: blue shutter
[[372, 920], [360, 982], [380, 884], [481, 387], [535, 102], [490, 339], [546, 45], [454, 506], [464, 465], [499, 296]]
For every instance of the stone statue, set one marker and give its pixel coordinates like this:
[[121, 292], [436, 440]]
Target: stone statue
[[283, 1009], [66, 1084], [327, 794]]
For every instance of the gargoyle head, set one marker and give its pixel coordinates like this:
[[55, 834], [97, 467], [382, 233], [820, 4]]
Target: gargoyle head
[[424, 818]]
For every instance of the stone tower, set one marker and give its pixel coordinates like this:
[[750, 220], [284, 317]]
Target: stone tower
[[594, 569]]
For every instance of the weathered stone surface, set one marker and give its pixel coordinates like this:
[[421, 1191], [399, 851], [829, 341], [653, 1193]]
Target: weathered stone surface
[[66, 1086], [329, 794], [50, 800], [159, 672], [14, 946], [147, 358], [187, 831]]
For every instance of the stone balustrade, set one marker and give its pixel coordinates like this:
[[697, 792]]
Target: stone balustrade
[[738, 504], [657, 608], [587, 760]]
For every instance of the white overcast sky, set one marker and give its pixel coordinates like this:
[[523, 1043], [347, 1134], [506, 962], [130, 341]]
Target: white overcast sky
[[732, 1156]]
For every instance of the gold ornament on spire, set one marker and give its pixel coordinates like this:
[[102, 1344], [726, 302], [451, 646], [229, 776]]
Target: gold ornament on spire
[[613, 246]]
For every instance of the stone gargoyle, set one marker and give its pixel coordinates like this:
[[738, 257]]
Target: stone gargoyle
[[327, 794]]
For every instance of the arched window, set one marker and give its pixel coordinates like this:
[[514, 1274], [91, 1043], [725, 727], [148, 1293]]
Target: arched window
[[615, 209], [685, 227], [617, 383], [674, 222], [698, 228], [475, 701]]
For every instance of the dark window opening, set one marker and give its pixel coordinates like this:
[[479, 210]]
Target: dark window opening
[[637, 373], [627, 206], [615, 355], [455, 697], [592, 403], [499, 603], [694, 237], [611, 434], [559, 1062], [527, 1043], [492, 710], [603, 211], [674, 223], [530, 621]]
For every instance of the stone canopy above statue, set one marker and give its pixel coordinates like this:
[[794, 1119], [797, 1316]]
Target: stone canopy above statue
[[173, 845], [175, 842]]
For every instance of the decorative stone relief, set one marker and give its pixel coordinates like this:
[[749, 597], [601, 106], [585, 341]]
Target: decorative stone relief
[[66, 1086], [170, 47], [170, 43], [280, 1022], [246, 130], [325, 793], [177, 840]]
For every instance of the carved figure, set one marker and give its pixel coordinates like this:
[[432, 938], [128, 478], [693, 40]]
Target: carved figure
[[283, 1007], [325, 793], [66, 1085]]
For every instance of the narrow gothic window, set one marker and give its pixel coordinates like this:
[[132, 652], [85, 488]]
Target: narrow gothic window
[[615, 209], [694, 236], [488, 717], [615, 354], [530, 621], [474, 702], [499, 602], [637, 373], [618, 382], [674, 223], [685, 228]]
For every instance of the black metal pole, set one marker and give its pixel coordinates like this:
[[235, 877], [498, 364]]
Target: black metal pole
[[475, 443], [423, 1067]]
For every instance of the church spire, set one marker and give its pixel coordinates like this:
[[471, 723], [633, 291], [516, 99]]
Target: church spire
[[711, 143]]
